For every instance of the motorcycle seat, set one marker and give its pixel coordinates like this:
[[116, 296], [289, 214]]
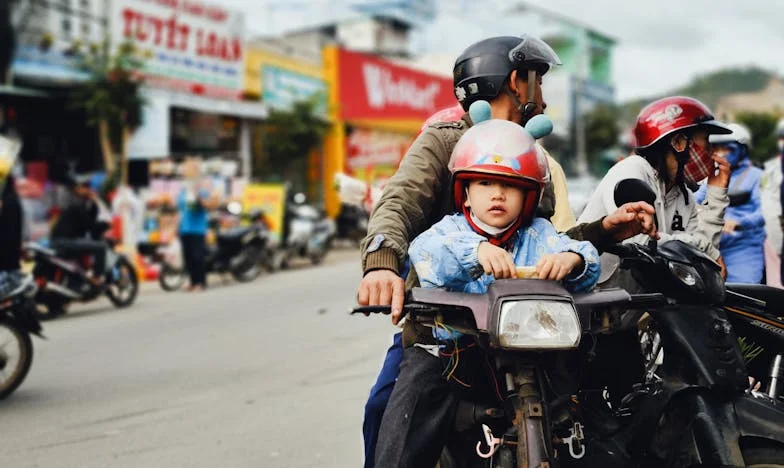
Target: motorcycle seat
[[774, 297], [234, 234], [16, 285]]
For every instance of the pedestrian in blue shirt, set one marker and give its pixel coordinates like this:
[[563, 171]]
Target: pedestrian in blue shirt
[[498, 175], [193, 204]]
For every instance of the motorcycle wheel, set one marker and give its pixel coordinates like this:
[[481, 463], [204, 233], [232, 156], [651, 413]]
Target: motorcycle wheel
[[122, 291], [11, 377], [171, 278], [770, 455], [250, 269]]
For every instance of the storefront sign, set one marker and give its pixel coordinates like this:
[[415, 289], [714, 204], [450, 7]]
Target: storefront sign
[[282, 88], [371, 148], [194, 47], [269, 198], [372, 88]]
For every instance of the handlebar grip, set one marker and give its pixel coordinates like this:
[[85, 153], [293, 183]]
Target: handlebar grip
[[371, 310]]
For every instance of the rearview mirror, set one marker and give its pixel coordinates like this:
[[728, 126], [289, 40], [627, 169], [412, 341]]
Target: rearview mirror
[[633, 190]]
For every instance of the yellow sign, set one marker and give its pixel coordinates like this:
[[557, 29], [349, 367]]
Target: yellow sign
[[269, 198]]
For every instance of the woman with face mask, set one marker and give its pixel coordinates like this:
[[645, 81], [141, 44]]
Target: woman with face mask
[[743, 235], [672, 155]]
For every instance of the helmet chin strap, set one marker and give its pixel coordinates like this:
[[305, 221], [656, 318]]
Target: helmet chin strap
[[528, 109]]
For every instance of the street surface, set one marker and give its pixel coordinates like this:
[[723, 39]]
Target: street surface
[[268, 374]]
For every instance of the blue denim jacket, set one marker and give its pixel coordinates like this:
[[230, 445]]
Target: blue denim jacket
[[445, 256]]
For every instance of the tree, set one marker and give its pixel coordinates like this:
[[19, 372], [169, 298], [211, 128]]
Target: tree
[[601, 130], [762, 126], [112, 100], [288, 138]]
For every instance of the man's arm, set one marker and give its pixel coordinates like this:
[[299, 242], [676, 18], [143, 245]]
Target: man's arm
[[406, 204]]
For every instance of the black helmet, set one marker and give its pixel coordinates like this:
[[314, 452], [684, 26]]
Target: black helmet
[[482, 69]]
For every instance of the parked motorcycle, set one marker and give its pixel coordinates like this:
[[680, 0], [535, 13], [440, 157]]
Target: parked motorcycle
[[168, 257], [17, 323], [523, 400], [352, 222], [309, 232], [240, 251], [62, 281]]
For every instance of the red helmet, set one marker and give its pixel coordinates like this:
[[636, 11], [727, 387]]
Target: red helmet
[[670, 114], [448, 114], [502, 150]]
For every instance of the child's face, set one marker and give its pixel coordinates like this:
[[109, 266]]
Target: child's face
[[495, 203]]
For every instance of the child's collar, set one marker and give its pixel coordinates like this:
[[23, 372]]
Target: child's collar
[[498, 240]]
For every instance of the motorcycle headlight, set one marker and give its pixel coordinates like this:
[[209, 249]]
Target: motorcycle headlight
[[536, 324], [686, 274]]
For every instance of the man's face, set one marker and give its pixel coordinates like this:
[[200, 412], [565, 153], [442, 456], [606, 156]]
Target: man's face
[[82, 191]]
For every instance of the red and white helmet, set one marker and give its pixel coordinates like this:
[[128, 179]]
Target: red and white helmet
[[501, 150], [671, 114]]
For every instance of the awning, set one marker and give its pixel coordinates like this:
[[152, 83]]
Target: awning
[[244, 109]]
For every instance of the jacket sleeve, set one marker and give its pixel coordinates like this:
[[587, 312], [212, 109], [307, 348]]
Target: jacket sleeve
[[705, 223], [406, 203], [578, 281], [755, 218], [446, 257]]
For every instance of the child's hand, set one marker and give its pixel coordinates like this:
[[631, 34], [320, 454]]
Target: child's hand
[[496, 261], [558, 266]]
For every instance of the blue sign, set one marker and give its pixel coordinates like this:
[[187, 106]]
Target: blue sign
[[282, 88], [31, 61]]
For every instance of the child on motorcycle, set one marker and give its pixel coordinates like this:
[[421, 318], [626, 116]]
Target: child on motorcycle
[[498, 177]]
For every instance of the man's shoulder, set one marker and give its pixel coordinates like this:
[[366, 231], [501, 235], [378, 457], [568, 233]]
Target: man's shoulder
[[454, 124]]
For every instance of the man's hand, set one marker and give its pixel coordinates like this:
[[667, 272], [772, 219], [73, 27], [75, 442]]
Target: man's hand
[[496, 261], [629, 220], [729, 226], [558, 266], [723, 266], [383, 287], [720, 177]]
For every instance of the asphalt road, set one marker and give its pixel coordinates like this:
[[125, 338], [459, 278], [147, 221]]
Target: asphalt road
[[268, 374]]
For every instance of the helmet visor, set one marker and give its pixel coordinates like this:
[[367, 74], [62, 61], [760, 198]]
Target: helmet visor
[[533, 53]]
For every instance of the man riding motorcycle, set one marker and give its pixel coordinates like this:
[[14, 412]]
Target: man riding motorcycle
[[80, 227], [507, 72]]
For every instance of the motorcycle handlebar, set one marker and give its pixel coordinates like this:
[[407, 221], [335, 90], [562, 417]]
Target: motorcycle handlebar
[[385, 309]]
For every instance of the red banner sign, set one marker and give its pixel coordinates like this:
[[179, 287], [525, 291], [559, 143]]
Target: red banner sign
[[372, 88]]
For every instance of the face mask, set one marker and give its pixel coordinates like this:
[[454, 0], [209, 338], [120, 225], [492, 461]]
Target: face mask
[[735, 154], [700, 164]]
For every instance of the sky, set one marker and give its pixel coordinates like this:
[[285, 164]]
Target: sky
[[662, 44]]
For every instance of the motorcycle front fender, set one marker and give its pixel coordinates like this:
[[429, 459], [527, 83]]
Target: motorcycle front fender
[[760, 417]]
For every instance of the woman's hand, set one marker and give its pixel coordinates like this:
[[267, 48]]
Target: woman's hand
[[721, 176]]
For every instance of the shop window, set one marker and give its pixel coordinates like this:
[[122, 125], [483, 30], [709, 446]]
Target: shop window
[[65, 27], [201, 132]]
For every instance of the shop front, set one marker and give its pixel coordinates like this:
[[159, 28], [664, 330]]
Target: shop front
[[280, 82], [377, 108]]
